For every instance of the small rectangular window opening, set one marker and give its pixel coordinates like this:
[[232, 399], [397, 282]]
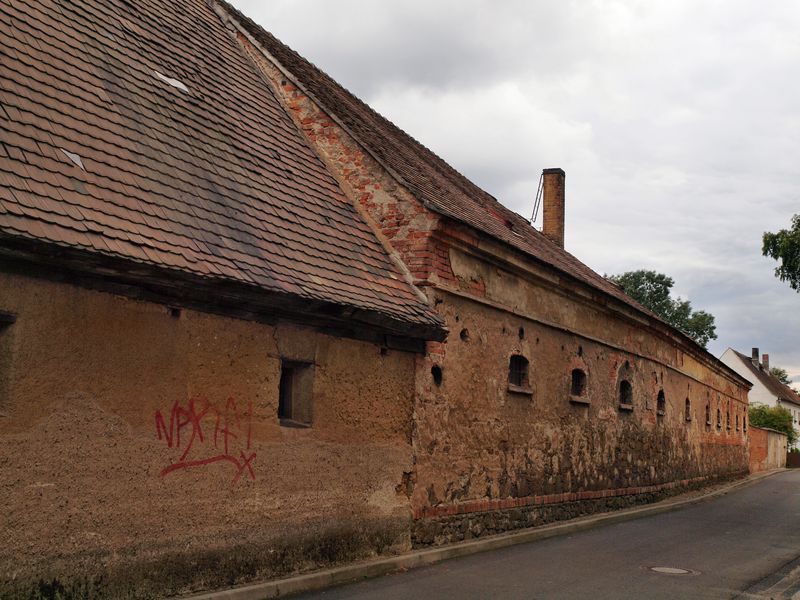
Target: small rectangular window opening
[[518, 375], [625, 395], [578, 384], [518, 371], [295, 393], [6, 321]]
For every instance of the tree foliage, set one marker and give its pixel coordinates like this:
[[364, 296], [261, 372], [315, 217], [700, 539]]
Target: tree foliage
[[652, 289], [773, 417], [784, 246], [781, 375]]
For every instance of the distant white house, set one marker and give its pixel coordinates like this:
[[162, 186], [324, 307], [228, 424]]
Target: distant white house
[[767, 389]]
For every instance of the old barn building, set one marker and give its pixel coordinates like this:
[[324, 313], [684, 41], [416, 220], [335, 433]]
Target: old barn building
[[554, 386], [226, 288]]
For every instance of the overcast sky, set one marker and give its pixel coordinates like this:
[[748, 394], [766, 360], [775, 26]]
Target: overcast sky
[[678, 124]]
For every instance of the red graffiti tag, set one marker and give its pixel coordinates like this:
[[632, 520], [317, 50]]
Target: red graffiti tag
[[231, 433]]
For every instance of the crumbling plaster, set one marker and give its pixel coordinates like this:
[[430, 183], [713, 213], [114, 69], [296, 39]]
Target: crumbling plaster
[[94, 384]]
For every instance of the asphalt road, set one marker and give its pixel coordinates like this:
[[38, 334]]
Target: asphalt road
[[744, 544]]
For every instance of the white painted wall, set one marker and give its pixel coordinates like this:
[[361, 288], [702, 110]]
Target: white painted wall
[[759, 394]]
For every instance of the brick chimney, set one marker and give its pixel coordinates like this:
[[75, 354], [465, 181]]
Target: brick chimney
[[765, 362], [553, 204], [754, 356]]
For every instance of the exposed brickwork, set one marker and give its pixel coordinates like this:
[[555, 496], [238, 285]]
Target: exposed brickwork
[[504, 503], [553, 196], [399, 216]]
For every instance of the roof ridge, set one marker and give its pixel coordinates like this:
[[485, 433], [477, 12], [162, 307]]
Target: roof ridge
[[458, 197], [447, 167], [771, 380]]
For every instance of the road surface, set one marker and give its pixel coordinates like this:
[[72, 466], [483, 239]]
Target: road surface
[[745, 544]]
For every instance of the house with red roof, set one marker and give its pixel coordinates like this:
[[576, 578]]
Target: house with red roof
[[767, 389]]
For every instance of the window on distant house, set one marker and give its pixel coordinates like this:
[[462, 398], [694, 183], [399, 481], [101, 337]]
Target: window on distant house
[[295, 393], [661, 404], [578, 385], [625, 395], [687, 413], [518, 380]]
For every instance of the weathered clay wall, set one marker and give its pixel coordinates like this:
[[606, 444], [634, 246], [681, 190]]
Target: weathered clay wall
[[767, 449], [477, 440], [146, 447]]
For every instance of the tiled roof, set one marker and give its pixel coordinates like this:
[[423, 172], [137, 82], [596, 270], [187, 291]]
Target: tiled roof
[[434, 182], [775, 387], [139, 130]]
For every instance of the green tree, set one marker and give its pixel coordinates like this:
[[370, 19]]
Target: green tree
[[784, 246], [653, 291], [781, 375], [773, 417]]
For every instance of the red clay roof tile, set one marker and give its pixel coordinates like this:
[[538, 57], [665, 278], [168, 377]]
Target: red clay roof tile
[[206, 174]]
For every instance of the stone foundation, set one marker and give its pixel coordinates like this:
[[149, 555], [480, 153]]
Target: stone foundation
[[457, 523]]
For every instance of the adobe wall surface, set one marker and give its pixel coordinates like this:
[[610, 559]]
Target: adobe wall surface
[[476, 440], [767, 449], [146, 447]]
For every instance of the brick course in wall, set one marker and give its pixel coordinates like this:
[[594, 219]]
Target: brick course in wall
[[473, 520]]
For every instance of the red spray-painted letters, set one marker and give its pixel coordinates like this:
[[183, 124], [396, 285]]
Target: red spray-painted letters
[[207, 433]]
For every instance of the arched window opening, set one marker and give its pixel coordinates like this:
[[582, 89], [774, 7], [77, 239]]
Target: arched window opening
[[708, 415], [625, 395], [728, 419], [744, 422], [687, 413], [518, 372], [578, 386], [719, 419], [737, 421], [661, 404]]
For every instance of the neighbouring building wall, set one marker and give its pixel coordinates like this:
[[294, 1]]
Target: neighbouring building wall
[[767, 449], [141, 446], [759, 393]]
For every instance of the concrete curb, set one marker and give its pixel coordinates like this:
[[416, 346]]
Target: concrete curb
[[278, 588]]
